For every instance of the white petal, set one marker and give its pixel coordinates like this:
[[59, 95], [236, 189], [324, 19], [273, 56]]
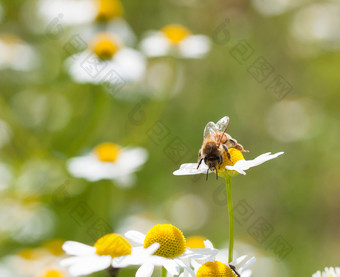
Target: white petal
[[121, 28], [135, 236], [131, 159], [155, 45], [77, 248], [248, 264], [240, 259], [246, 273], [130, 64], [68, 12], [152, 248], [89, 264], [208, 244], [145, 270], [242, 165], [191, 169], [195, 46], [171, 266]]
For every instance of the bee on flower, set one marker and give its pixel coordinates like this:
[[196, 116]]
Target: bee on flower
[[175, 40], [109, 161], [222, 154]]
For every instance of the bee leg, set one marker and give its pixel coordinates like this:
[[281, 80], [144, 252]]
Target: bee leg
[[199, 163], [240, 147], [206, 178], [216, 174], [226, 149]]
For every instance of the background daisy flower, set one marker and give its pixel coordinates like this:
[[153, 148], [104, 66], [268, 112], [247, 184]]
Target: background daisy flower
[[109, 161], [111, 248], [16, 54], [176, 40], [106, 60], [328, 272]]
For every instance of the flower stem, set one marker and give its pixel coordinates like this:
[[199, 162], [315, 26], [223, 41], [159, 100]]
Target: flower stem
[[112, 272], [163, 272], [231, 219]]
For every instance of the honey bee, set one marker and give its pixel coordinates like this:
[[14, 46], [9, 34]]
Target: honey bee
[[215, 143]]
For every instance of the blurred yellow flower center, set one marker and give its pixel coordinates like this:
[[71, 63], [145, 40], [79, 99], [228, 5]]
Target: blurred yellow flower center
[[235, 155], [114, 245], [31, 254], [109, 9], [54, 246], [53, 273], [196, 242], [104, 46], [215, 269], [107, 152], [171, 240], [175, 33]]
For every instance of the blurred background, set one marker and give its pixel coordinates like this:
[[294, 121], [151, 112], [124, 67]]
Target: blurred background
[[272, 67]]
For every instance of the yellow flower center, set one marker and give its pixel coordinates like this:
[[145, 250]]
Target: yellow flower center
[[114, 245], [215, 269], [235, 155], [175, 33], [109, 9], [171, 240], [196, 242], [31, 254], [54, 246], [53, 273], [107, 152], [104, 46]]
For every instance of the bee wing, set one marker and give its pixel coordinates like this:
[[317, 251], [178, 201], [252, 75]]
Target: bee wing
[[209, 129], [222, 124]]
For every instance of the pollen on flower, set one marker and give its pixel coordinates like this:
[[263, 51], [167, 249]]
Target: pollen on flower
[[53, 273], [104, 46], [196, 242], [171, 240], [107, 152], [109, 9], [215, 269], [175, 32], [235, 155], [114, 245]]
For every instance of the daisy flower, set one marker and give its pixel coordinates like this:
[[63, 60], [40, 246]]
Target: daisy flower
[[16, 54], [231, 165], [107, 61], [328, 272], [220, 269], [172, 248], [176, 40], [109, 161], [88, 17], [108, 251]]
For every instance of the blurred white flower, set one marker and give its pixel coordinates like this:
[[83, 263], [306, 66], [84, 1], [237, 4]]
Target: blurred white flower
[[172, 249], [109, 161], [176, 40], [272, 7], [16, 54], [5, 133], [109, 250], [318, 24], [328, 272], [107, 61]]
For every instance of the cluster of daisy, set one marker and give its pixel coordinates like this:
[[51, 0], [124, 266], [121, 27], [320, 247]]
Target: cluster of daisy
[[111, 45], [164, 246]]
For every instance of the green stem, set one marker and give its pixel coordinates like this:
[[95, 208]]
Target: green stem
[[112, 272], [231, 219], [163, 272]]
